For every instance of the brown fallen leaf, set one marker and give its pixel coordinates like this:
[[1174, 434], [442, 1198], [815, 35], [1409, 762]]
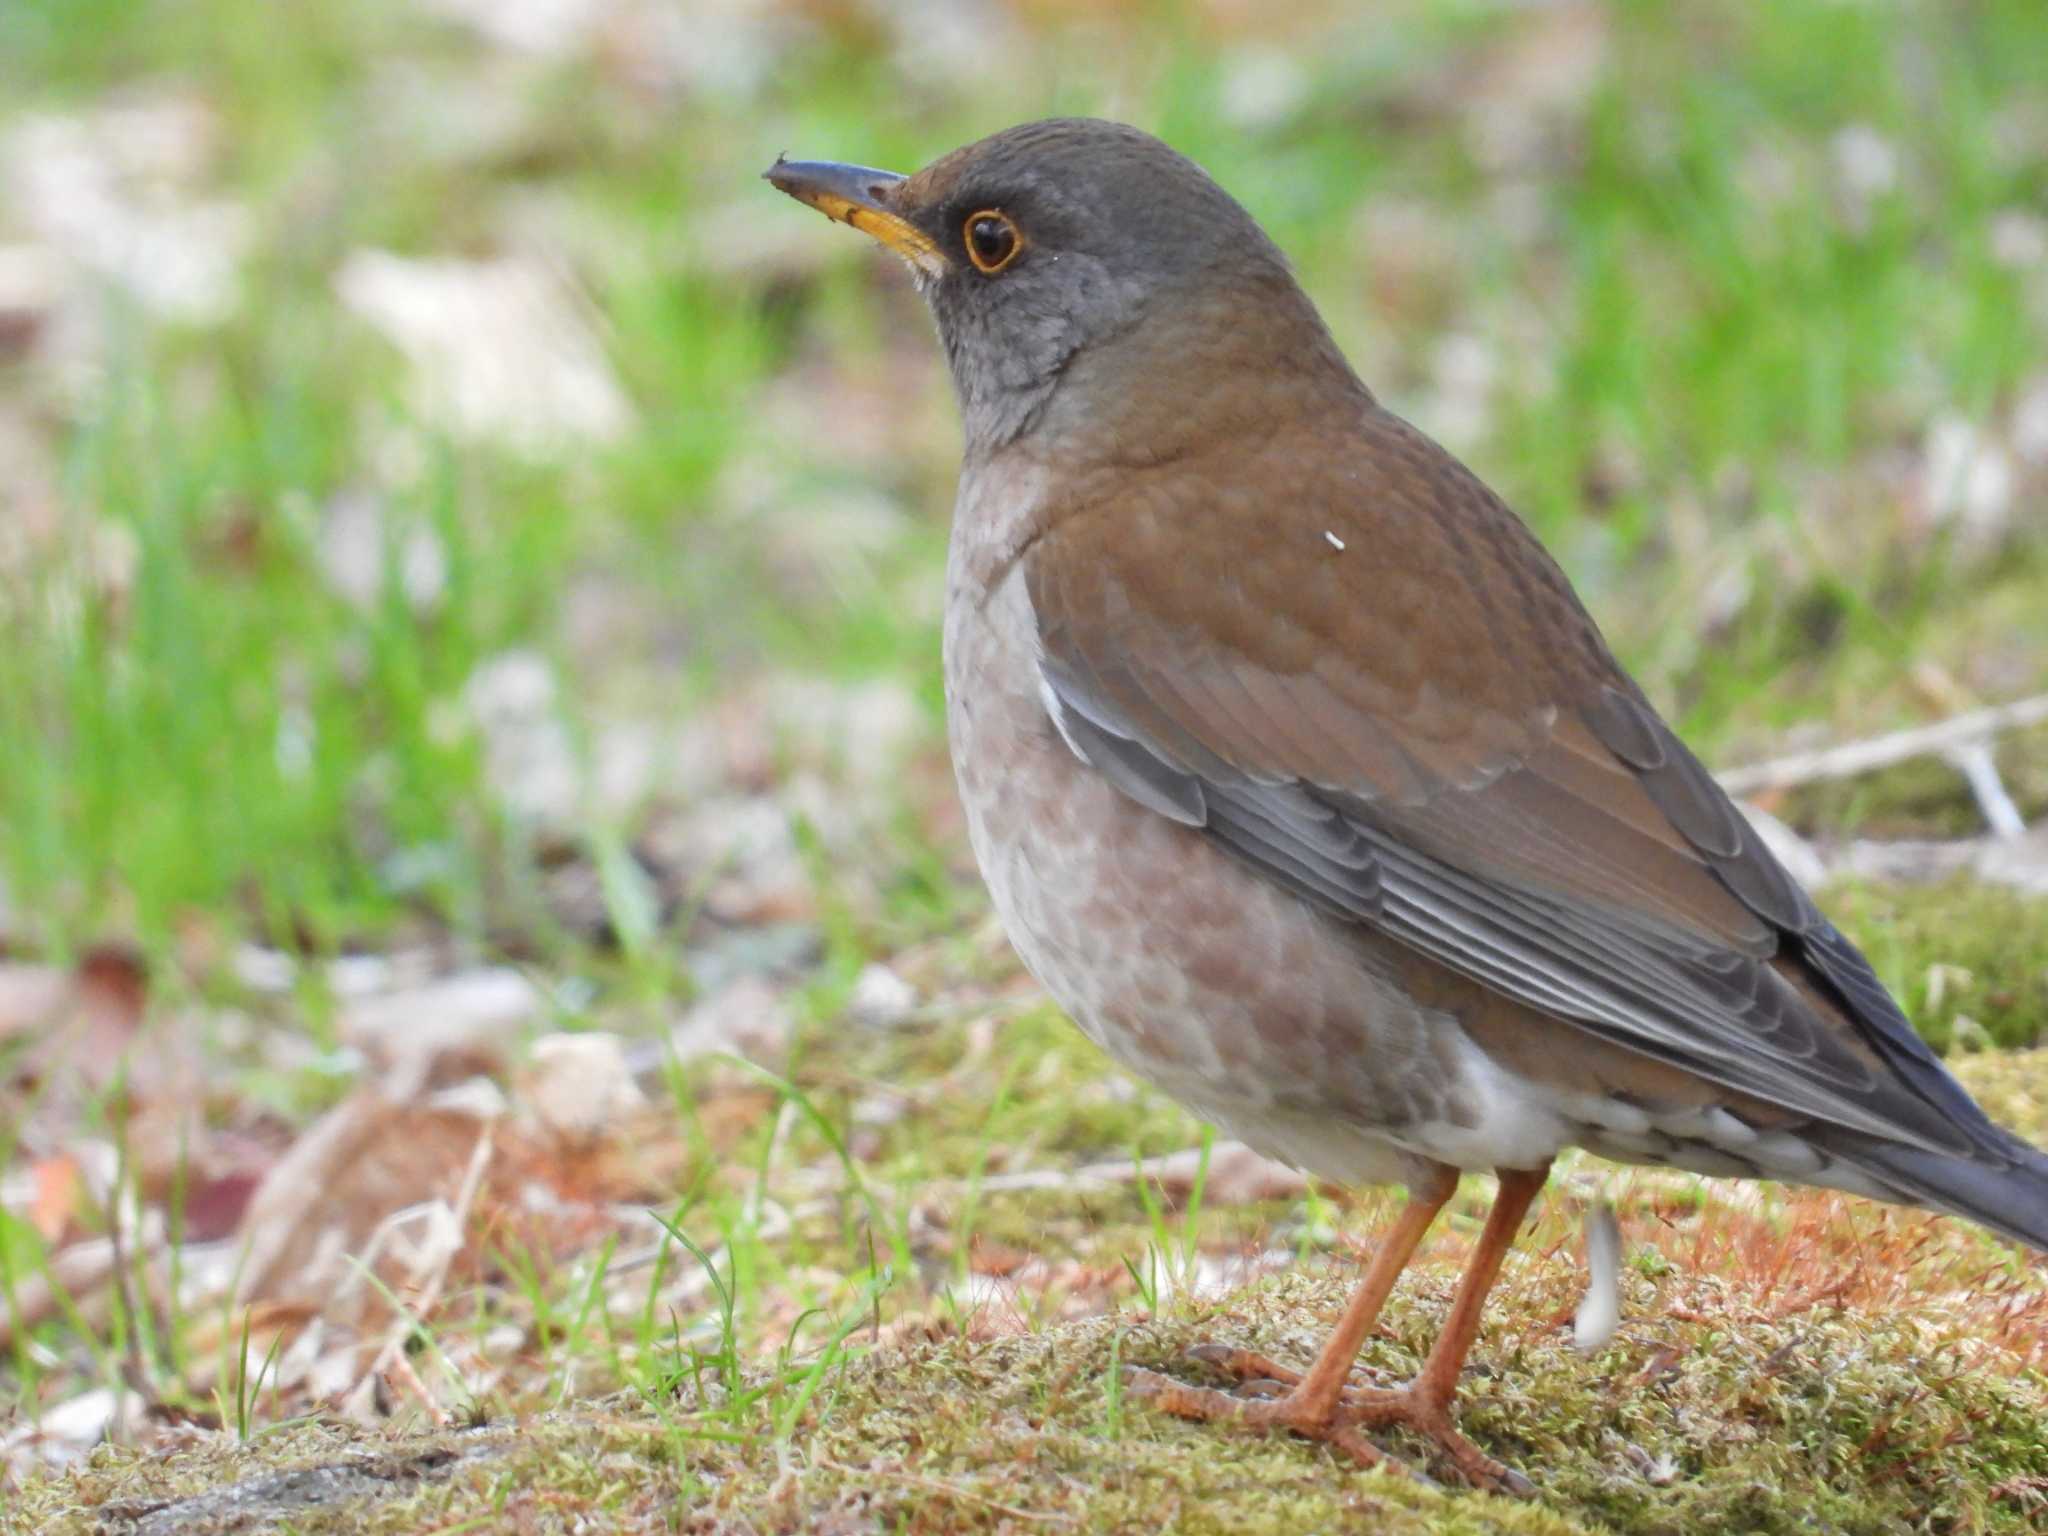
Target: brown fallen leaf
[[84, 1030], [309, 1226], [89, 1011]]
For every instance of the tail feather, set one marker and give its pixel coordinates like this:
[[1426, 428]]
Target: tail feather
[[2010, 1195]]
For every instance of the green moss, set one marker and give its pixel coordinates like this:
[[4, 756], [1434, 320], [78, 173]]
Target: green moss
[[2012, 1086], [1969, 962], [1710, 1413]]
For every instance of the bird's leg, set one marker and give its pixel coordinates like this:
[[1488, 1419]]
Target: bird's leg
[[1318, 1391], [1317, 1404], [1310, 1407], [1424, 1405], [1438, 1381]]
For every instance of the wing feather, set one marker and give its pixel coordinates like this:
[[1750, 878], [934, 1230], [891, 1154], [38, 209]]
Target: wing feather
[[1530, 823]]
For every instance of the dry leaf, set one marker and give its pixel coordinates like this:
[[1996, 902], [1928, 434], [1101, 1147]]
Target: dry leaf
[[309, 1227]]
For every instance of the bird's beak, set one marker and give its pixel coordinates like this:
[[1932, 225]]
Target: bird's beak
[[856, 195]]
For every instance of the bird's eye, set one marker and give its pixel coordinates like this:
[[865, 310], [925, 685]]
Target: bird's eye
[[992, 241]]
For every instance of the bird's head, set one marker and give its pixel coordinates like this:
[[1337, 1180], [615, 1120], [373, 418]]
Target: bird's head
[[1065, 260]]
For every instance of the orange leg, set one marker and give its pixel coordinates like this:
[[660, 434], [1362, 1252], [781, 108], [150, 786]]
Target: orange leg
[[1317, 1404]]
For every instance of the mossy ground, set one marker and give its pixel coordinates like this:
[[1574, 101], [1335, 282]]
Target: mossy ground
[[1797, 1364], [1788, 1361], [1713, 1411]]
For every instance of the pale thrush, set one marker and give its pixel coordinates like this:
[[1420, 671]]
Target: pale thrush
[[1303, 780]]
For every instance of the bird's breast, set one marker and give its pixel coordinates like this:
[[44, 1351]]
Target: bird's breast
[[1222, 989]]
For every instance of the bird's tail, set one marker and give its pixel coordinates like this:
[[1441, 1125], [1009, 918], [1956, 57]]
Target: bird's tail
[[2008, 1196]]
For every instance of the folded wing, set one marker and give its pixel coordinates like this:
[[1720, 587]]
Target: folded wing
[[1434, 741]]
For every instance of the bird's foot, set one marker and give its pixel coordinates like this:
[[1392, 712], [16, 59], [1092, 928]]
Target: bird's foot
[[1270, 1397], [1190, 1402]]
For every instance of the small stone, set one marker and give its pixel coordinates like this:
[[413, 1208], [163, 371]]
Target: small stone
[[1866, 161], [83, 1422], [500, 350], [881, 999], [580, 1086], [747, 1018], [1969, 480]]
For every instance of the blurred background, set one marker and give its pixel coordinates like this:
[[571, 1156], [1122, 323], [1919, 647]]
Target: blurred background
[[470, 558]]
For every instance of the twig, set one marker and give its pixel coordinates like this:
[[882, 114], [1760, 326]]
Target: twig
[[1854, 757], [430, 1284], [401, 1366], [1976, 764], [1028, 1179]]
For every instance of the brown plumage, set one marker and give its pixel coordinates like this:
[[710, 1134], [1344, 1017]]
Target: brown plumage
[[1303, 780]]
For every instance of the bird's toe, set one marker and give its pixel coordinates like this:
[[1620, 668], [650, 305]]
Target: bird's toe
[[1423, 1415], [1254, 1371]]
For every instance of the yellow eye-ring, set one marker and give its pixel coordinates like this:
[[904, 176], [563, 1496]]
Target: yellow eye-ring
[[992, 240]]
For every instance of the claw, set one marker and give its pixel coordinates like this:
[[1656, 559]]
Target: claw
[[1262, 1389], [1515, 1484]]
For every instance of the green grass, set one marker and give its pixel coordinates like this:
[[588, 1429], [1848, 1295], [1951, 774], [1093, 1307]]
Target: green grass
[[1968, 963], [1700, 358], [1713, 370]]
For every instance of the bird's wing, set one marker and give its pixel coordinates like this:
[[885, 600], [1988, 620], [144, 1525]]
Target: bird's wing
[[1360, 674]]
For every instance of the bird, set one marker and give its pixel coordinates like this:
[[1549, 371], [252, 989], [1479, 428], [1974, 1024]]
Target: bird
[[1302, 779]]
